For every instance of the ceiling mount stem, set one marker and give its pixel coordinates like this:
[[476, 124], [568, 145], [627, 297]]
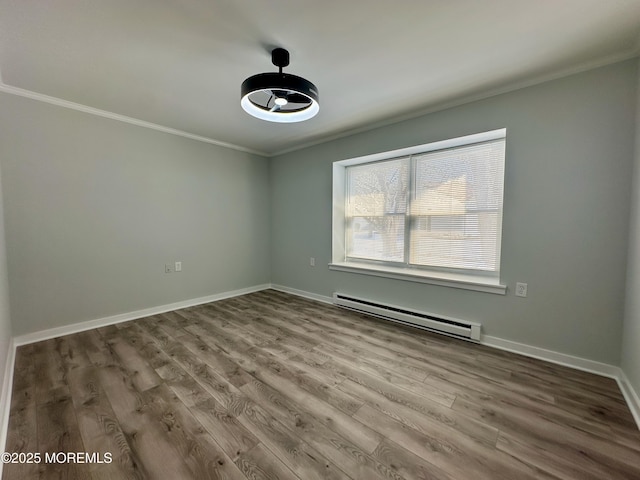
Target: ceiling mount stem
[[280, 58]]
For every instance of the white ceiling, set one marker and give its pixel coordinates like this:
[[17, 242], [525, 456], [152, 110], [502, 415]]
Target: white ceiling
[[179, 64]]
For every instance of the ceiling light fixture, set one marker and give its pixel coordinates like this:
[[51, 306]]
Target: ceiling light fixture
[[279, 97]]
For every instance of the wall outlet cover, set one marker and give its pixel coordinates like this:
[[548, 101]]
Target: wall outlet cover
[[521, 289]]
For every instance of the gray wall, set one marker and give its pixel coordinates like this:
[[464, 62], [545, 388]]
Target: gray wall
[[565, 229], [631, 333], [94, 208], [5, 324]]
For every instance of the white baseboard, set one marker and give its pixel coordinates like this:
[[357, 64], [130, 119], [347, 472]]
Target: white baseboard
[[302, 293], [630, 395], [125, 317], [578, 363], [508, 345], [571, 361], [7, 383], [5, 396]]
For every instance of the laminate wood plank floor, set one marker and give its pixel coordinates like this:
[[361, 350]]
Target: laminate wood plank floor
[[274, 386]]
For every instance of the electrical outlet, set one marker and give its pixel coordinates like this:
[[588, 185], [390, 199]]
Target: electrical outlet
[[521, 289], [178, 266], [312, 262], [167, 268]]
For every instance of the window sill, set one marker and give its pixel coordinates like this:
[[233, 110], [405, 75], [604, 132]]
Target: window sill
[[466, 282]]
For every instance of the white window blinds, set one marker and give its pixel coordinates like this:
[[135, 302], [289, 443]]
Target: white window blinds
[[377, 210], [456, 207], [439, 209]]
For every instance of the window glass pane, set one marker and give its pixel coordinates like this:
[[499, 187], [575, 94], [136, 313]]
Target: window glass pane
[[456, 207], [376, 210], [381, 238]]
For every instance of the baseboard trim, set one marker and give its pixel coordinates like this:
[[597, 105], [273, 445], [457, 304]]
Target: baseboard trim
[[302, 293], [5, 397], [579, 363], [571, 361], [630, 395], [125, 317]]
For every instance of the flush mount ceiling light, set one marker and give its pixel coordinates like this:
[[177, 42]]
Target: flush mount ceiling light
[[279, 97]]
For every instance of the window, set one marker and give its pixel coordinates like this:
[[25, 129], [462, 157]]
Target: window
[[433, 210]]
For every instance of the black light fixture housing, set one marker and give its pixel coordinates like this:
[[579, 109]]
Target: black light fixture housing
[[279, 97]]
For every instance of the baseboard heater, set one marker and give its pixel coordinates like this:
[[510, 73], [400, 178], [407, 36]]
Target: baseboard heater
[[448, 326]]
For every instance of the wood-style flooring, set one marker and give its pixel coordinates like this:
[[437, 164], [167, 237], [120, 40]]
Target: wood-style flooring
[[274, 386]]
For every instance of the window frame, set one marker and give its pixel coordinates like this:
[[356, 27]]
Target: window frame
[[479, 280]]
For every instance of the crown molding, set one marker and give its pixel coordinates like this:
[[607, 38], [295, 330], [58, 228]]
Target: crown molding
[[583, 67], [21, 92], [601, 62]]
